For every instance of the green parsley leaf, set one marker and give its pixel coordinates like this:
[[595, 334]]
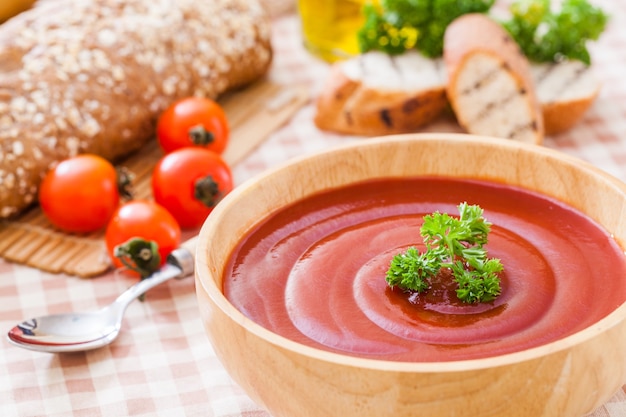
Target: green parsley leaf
[[400, 25], [410, 270], [456, 244], [547, 35]]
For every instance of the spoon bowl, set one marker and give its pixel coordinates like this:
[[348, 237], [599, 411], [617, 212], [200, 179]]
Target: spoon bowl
[[60, 332]]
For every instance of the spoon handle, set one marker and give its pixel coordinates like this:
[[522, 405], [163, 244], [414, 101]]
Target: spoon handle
[[179, 264], [183, 257]]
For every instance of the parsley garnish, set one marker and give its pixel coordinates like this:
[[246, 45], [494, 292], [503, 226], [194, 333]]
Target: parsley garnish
[[546, 34], [399, 25], [456, 244]]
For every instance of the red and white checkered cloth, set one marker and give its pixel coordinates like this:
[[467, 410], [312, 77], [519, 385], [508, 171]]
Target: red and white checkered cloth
[[162, 363]]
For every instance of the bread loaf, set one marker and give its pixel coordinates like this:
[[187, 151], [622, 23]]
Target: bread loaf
[[490, 85], [92, 76], [378, 94]]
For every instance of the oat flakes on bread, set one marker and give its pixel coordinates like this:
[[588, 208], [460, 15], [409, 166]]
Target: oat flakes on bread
[[93, 75], [379, 94], [490, 86]]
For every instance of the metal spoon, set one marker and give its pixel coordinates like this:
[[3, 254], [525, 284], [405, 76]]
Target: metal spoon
[[73, 332]]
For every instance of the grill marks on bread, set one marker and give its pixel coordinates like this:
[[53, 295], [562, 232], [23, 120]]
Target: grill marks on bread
[[490, 86], [565, 90], [493, 102], [562, 80], [378, 94]]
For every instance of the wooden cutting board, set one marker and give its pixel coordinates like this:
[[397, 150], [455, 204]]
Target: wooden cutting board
[[253, 114]]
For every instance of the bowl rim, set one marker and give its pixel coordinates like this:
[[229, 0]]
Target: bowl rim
[[206, 282]]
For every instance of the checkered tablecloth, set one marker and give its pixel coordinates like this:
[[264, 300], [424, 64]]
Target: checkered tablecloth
[[162, 363]]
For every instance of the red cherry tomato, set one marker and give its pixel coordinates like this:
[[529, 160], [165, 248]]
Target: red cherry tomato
[[193, 121], [80, 194], [189, 183], [144, 219]]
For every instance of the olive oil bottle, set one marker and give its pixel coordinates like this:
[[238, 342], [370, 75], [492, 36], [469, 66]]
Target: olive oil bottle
[[329, 27]]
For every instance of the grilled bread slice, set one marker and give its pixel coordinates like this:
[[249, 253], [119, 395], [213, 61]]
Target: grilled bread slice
[[378, 94], [490, 86], [565, 90]]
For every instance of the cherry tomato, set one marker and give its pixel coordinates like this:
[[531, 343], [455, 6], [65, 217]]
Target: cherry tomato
[[80, 194], [193, 121], [145, 219], [189, 183]]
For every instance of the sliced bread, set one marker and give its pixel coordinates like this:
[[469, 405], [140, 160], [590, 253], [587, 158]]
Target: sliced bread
[[494, 90], [378, 94], [490, 86], [566, 90]]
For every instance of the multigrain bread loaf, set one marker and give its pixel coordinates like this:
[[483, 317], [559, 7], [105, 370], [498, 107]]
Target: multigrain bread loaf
[[379, 94], [93, 75], [490, 85]]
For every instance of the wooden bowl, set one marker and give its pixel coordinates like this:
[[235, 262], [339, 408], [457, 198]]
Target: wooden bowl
[[569, 377]]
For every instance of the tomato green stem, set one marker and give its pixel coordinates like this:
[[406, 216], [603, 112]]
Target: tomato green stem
[[139, 255], [200, 136], [207, 191]]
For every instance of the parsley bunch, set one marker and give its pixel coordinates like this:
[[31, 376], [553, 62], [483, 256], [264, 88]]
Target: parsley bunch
[[456, 244], [399, 25], [548, 35]]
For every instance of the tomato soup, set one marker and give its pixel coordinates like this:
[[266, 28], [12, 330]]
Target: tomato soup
[[314, 272]]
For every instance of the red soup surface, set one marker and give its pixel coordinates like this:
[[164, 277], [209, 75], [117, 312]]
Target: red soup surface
[[314, 272]]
